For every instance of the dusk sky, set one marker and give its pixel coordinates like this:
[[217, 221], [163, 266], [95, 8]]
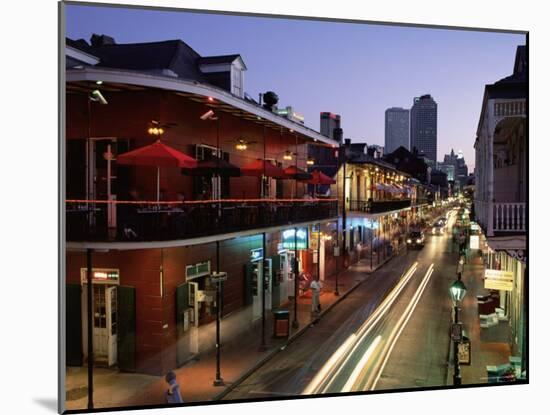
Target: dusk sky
[[355, 70]]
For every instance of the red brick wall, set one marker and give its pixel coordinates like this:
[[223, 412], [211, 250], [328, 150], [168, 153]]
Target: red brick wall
[[155, 345], [139, 269]]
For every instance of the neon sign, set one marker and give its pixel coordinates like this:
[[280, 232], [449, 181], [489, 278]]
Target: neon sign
[[300, 236]]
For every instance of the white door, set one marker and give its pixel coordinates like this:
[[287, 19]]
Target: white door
[[112, 320], [100, 332]]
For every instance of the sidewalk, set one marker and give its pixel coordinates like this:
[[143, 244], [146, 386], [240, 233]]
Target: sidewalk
[[489, 346], [239, 355]]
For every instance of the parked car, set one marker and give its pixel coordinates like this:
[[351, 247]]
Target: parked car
[[415, 239]]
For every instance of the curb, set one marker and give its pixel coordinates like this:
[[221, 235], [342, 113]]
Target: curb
[[291, 339]]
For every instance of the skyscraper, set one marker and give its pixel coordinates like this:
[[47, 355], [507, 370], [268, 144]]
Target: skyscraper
[[424, 126], [460, 167], [397, 129], [329, 122]]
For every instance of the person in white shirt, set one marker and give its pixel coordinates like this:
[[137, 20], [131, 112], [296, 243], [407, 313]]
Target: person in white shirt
[[315, 287]]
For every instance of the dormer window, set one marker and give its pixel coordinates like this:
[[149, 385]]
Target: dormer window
[[226, 72]]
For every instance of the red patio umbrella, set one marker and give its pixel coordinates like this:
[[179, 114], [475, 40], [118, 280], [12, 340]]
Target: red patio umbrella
[[260, 168], [320, 178], [157, 155], [294, 172]]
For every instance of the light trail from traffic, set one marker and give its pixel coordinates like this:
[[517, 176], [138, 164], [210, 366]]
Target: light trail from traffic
[[323, 381], [408, 313]]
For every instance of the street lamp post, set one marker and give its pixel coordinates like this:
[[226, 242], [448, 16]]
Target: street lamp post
[[218, 277], [295, 323], [457, 291]]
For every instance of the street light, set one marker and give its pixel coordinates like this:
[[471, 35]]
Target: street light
[[457, 292]]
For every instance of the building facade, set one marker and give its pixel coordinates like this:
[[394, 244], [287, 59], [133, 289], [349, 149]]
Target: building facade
[[424, 127], [396, 129], [500, 198], [150, 237]]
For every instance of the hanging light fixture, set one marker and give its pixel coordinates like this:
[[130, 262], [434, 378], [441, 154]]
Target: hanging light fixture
[[287, 155], [310, 162], [156, 128], [241, 145]]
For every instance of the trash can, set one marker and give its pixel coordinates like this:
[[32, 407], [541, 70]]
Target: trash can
[[281, 323]]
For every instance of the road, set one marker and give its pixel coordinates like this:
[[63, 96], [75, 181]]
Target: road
[[391, 332]]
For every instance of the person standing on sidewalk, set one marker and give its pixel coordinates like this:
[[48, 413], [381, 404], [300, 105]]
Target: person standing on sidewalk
[[173, 394], [315, 287]]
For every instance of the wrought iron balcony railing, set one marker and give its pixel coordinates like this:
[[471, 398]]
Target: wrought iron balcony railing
[[379, 206], [152, 221]]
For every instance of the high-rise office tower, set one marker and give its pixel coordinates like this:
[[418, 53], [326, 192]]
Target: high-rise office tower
[[397, 129], [329, 122], [424, 127]]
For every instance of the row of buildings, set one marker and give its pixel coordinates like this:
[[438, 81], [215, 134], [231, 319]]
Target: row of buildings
[[155, 234]]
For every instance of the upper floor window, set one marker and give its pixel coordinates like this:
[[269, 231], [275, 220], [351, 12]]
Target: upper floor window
[[237, 81]]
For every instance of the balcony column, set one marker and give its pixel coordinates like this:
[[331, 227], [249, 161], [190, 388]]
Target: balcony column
[[490, 182], [90, 321]]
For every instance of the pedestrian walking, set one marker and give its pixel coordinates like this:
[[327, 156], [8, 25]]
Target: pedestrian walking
[[462, 242], [460, 268], [173, 394]]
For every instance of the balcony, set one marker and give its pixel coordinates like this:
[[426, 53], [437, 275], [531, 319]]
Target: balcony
[[509, 217], [499, 219], [152, 221], [379, 206]]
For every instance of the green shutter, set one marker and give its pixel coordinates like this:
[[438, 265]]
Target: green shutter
[[248, 283], [126, 336], [74, 325], [275, 265], [182, 303]]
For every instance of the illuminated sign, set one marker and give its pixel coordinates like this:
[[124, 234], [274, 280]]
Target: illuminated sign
[[101, 275], [290, 236], [496, 279], [256, 254], [474, 241], [105, 275], [371, 224]]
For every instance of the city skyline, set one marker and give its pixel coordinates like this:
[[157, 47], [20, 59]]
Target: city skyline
[[329, 74]]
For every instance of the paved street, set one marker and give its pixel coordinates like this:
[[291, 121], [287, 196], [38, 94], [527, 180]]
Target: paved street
[[380, 337]]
